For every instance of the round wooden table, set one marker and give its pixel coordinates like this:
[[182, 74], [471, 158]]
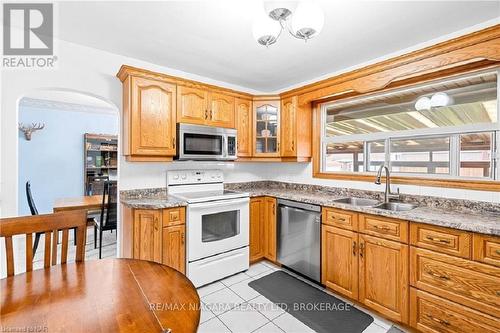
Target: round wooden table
[[110, 295]]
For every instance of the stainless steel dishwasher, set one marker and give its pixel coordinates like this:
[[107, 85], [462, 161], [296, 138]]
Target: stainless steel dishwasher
[[299, 237]]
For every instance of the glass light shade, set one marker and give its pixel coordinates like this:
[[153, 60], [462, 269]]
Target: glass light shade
[[308, 19], [265, 30], [423, 103], [441, 99], [279, 9]]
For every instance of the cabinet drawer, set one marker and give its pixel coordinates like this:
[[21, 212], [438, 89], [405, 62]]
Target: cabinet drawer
[[434, 314], [340, 218], [384, 227], [487, 249], [445, 240], [173, 216], [462, 281]]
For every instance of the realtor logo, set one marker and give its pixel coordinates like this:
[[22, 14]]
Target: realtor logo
[[28, 35], [28, 29]]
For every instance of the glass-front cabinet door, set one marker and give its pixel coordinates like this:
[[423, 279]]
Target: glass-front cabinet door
[[266, 128]]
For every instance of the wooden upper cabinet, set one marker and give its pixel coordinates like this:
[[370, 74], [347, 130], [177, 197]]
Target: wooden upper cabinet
[[383, 277], [289, 127], [243, 122], [149, 131], [339, 260], [192, 105], [266, 128], [221, 110]]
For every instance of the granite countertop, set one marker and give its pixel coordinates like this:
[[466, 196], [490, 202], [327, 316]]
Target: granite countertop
[[482, 222], [475, 216]]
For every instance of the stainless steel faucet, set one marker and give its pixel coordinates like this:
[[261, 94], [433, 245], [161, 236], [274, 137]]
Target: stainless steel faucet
[[387, 194]]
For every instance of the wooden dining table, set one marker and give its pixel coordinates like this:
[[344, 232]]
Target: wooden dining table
[[84, 202], [110, 295]]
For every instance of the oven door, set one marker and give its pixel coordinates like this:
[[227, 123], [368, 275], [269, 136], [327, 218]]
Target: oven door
[[201, 146], [216, 227]]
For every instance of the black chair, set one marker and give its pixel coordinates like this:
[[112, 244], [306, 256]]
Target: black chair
[[34, 211], [108, 219]]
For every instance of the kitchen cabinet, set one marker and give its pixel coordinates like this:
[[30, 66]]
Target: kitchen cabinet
[[147, 235], [221, 110], [266, 128], [339, 262], [383, 276], [149, 119], [243, 114], [296, 131], [257, 221], [155, 234], [270, 229], [174, 242], [192, 105], [262, 228]]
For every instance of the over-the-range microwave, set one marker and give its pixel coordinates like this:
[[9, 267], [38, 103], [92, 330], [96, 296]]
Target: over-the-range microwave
[[197, 142]]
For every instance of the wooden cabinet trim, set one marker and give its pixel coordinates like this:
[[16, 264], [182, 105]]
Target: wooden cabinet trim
[[444, 240]]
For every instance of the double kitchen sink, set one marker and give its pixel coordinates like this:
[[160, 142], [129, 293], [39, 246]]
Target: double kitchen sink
[[391, 206]]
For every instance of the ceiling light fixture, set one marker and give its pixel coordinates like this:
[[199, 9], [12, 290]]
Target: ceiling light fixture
[[437, 100], [305, 23]]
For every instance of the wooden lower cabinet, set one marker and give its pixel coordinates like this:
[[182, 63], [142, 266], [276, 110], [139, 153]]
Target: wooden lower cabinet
[[262, 228], [434, 314], [270, 229], [147, 235], [174, 239], [157, 235], [339, 260], [257, 213], [383, 276]]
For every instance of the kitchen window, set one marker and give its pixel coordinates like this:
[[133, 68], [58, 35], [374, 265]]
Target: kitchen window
[[445, 129]]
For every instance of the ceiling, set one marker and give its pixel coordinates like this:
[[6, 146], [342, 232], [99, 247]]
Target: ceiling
[[214, 38]]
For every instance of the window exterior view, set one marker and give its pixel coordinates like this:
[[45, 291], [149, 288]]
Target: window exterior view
[[447, 128]]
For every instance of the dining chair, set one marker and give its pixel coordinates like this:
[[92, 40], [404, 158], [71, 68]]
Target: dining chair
[[108, 218], [34, 211], [49, 225]]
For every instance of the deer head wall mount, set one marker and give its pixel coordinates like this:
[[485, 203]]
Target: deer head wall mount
[[29, 129]]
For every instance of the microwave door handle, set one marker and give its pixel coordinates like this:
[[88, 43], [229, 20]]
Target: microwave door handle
[[224, 146]]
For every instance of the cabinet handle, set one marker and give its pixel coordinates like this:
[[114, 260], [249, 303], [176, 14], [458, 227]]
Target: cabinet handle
[[497, 252], [211, 115], [293, 145], [182, 239], [278, 146], [354, 248], [361, 248], [437, 275], [341, 219], [206, 113], [382, 227], [438, 240], [173, 142], [439, 321]]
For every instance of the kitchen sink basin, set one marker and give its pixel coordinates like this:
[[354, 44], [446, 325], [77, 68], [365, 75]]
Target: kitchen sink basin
[[358, 201], [396, 206]]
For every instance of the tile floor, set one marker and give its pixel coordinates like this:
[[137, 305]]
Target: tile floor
[[230, 305]]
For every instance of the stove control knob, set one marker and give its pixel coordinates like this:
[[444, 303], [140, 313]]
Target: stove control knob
[[218, 176], [176, 177], [184, 176]]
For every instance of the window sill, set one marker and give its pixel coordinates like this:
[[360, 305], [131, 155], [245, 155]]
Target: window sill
[[479, 185]]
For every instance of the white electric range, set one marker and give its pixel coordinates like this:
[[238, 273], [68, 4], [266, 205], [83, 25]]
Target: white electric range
[[217, 223]]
